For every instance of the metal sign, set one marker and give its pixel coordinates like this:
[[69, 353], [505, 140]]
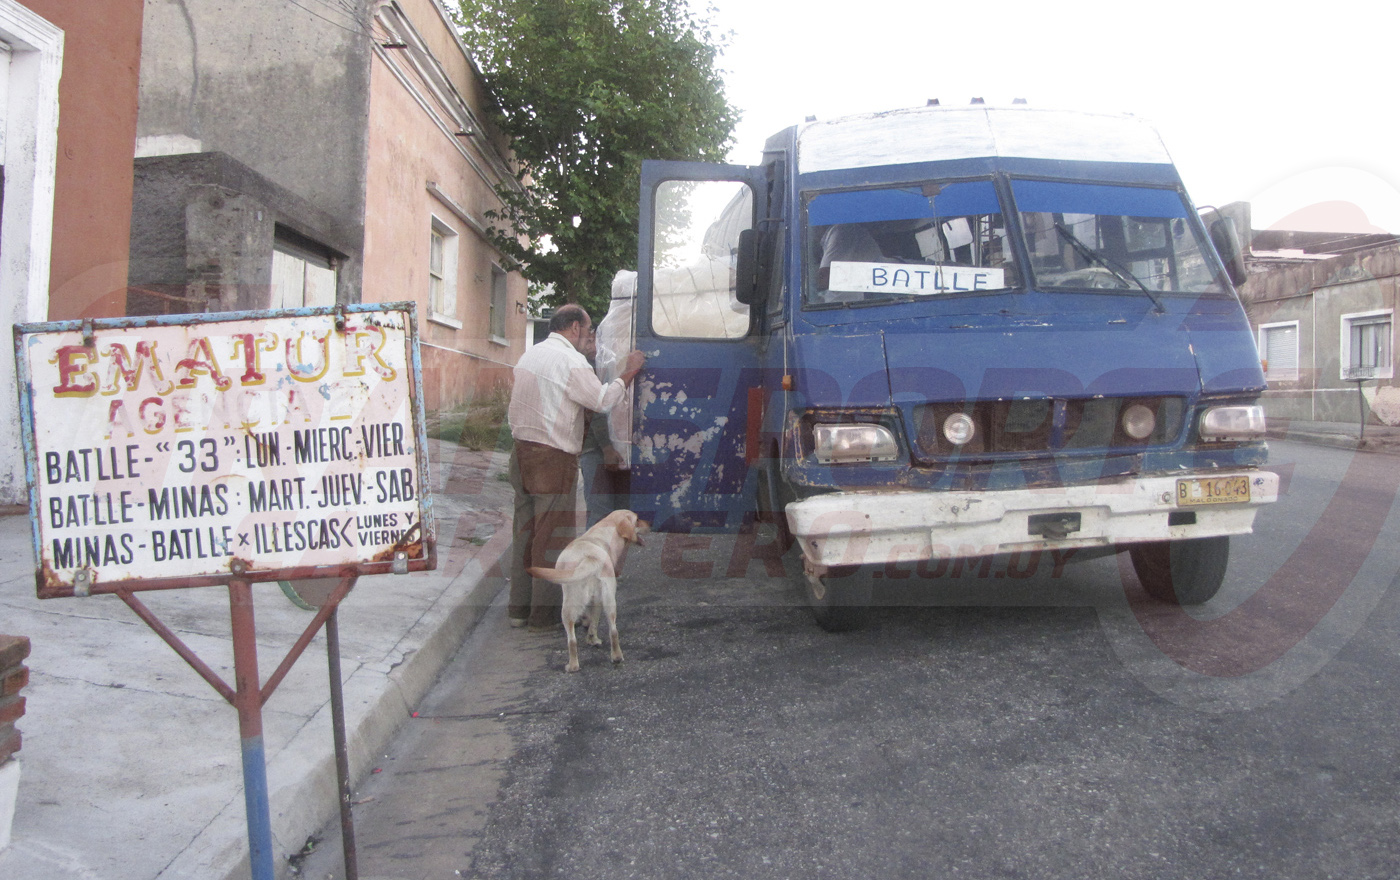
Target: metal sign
[[185, 450]]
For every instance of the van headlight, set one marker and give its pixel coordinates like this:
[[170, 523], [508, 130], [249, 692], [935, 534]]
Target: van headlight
[[1232, 423], [841, 444], [1139, 421], [959, 429]]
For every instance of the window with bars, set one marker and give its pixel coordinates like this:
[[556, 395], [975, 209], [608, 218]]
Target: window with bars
[[1367, 346]]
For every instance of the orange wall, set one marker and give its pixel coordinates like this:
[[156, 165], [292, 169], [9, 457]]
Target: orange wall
[[96, 143], [407, 151]]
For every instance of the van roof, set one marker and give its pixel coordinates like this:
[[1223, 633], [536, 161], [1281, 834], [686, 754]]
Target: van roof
[[933, 134]]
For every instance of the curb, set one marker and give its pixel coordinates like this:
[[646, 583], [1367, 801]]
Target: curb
[[1385, 445]]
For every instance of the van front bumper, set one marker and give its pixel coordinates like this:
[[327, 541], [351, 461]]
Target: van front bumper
[[877, 527]]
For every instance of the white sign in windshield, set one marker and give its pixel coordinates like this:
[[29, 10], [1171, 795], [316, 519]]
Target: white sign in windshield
[[917, 279]]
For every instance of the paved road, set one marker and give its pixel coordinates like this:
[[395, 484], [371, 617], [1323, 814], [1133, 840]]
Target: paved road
[[1014, 720]]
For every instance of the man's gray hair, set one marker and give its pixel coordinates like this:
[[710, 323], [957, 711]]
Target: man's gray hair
[[567, 316]]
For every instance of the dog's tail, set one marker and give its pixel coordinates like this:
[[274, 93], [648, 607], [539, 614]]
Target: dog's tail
[[585, 569]]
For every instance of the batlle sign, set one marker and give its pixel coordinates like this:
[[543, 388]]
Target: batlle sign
[[187, 450]]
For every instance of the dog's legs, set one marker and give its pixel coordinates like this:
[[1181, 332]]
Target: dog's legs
[[595, 622], [610, 609], [573, 641]]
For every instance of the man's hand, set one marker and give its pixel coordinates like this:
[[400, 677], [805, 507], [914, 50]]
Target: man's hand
[[635, 361], [612, 459]]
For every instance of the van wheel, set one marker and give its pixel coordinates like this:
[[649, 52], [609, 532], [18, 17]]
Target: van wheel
[[839, 598], [1186, 571]]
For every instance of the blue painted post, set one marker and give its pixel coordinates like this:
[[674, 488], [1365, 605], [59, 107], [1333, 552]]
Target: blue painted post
[[248, 701]]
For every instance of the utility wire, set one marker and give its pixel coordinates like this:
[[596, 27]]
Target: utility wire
[[361, 30]]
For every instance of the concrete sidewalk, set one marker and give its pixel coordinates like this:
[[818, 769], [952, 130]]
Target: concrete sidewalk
[[130, 767]]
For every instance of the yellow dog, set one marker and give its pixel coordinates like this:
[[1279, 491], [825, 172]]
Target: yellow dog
[[587, 572]]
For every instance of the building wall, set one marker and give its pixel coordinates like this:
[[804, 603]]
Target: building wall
[[422, 172], [96, 140], [1293, 398], [204, 230], [280, 87], [363, 111], [1318, 294]]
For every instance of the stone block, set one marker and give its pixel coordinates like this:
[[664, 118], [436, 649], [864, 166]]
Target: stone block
[[12, 681], [13, 650]]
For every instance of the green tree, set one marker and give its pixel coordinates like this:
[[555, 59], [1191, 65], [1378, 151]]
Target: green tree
[[587, 89]]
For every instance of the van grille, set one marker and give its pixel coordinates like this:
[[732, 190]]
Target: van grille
[[1045, 426]]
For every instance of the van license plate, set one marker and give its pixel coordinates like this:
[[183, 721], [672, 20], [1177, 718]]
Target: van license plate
[[1212, 490]]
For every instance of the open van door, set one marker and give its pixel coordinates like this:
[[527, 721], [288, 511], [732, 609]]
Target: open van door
[[698, 401]]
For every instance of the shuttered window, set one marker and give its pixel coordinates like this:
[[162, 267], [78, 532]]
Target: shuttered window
[[302, 273], [1278, 346]]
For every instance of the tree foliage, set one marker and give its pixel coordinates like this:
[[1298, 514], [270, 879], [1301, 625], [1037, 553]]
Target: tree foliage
[[587, 89]]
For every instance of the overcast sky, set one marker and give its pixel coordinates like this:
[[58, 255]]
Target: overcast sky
[[1269, 103]]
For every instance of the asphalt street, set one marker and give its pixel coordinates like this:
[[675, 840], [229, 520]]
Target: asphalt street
[[1034, 718]]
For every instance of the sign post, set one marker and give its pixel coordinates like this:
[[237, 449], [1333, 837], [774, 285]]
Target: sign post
[[227, 449], [248, 702]]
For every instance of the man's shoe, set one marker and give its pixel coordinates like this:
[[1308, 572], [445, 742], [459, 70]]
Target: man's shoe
[[517, 622]]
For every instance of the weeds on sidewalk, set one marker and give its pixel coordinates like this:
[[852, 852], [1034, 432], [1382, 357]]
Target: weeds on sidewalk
[[479, 425]]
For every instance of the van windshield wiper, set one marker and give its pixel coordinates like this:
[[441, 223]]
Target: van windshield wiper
[[1122, 274]]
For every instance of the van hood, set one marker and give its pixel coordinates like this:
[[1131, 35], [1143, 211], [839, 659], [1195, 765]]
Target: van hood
[[987, 357]]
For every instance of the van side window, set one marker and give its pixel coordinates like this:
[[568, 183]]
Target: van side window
[[693, 263]]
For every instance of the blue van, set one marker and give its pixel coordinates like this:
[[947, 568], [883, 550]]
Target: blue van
[[948, 333]]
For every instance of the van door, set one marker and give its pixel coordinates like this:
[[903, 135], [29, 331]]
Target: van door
[[698, 403]]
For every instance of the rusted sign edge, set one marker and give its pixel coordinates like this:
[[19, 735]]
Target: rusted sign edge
[[57, 590], [217, 318]]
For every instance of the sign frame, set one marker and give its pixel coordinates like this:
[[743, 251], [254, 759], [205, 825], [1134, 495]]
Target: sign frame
[[414, 550]]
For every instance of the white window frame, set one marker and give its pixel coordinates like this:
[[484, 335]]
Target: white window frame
[[442, 281], [500, 304], [1276, 374], [1381, 371], [31, 134], [30, 123]]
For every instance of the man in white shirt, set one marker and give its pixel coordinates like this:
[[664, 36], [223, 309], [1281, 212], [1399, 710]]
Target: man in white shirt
[[554, 384]]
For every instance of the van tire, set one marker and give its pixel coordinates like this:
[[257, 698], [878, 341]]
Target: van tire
[[839, 600], [1187, 571], [774, 497]]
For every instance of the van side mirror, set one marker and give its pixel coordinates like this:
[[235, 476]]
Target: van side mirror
[[747, 288], [1227, 244]]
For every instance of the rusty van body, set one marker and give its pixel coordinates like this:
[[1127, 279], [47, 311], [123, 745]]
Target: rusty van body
[[948, 333]]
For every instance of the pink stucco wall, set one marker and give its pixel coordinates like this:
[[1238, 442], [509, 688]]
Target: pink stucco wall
[[409, 156]]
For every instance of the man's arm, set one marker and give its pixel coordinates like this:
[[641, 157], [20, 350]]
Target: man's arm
[[586, 390]]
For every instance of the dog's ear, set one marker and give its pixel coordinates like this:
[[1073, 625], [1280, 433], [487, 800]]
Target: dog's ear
[[627, 530], [636, 527]]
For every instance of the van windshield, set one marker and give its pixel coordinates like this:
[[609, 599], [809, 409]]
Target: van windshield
[[911, 241], [1084, 236]]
